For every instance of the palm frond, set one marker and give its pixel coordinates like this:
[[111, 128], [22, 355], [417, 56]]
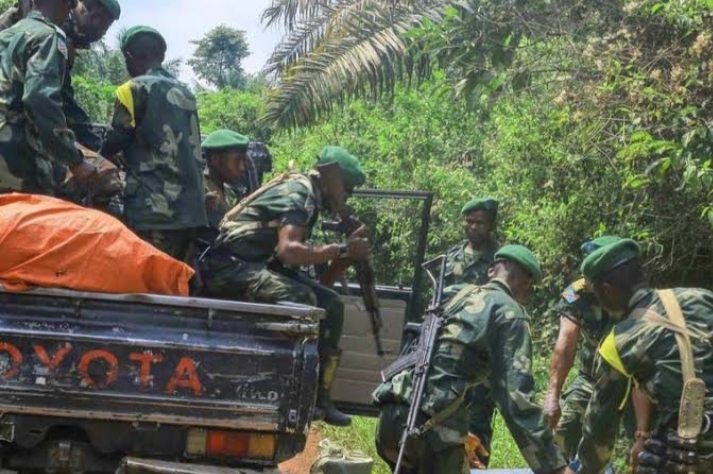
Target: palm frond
[[368, 51], [290, 13]]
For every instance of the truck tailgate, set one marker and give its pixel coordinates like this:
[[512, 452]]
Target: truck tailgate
[[158, 360]]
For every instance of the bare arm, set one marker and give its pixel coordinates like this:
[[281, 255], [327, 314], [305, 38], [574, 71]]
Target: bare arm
[[293, 251], [562, 363], [643, 409], [565, 352]]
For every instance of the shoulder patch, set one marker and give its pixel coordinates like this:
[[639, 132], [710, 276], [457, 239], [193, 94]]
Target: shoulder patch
[[62, 48], [570, 295]]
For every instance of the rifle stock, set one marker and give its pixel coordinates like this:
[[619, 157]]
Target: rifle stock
[[424, 354], [365, 277]]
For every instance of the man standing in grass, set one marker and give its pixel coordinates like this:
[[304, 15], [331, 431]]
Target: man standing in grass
[[485, 334]]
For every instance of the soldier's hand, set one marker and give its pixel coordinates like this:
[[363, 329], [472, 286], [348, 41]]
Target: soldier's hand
[[358, 246], [475, 451], [85, 173], [552, 409], [636, 449]]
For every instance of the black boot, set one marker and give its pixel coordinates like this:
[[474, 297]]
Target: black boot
[[325, 409]]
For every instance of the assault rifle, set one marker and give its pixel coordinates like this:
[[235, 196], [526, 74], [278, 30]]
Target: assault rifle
[[423, 355], [346, 226]]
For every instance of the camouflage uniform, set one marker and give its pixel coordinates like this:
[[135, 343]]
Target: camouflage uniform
[[486, 334], [647, 354], [464, 266], [583, 309], [228, 198], [77, 119], [155, 125], [34, 134], [244, 266]]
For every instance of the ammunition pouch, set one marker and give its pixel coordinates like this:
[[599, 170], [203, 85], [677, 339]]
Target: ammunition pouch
[[668, 453]]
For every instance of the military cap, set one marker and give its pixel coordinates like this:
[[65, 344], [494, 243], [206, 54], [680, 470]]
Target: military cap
[[112, 7], [594, 244], [352, 171], [135, 31], [489, 205], [225, 140], [523, 257], [607, 258]]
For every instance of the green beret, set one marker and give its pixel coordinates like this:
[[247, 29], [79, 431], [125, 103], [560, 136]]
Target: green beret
[[352, 171], [225, 140], [489, 205], [602, 261], [523, 257], [595, 244], [112, 7], [134, 31]]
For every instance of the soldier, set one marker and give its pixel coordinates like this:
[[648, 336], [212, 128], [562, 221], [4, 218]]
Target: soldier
[[87, 23], [34, 134], [155, 125], [265, 235], [468, 263], [225, 152], [579, 313], [660, 343], [485, 333]]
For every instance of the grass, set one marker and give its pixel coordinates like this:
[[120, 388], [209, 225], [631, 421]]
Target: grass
[[505, 454], [360, 437]]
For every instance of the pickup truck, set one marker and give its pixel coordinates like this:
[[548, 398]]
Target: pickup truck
[[134, 384]]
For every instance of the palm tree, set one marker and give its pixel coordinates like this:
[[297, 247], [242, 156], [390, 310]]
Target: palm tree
[[335, 49]]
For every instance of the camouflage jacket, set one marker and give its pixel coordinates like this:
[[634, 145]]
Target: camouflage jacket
[[485, 334], [467, 267], [641, 352], [227, 198], [77, 119], [33, 126], [252, 234], [583, 309], [155, 125]]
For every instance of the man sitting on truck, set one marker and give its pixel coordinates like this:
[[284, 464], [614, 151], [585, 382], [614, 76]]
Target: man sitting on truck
[[34, 132], [225, 153], [264, 237], [155, 125], [88, 22]]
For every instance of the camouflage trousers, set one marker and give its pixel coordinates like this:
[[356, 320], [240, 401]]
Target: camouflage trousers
[[575, 401], [228, 277], [420, 456], [574, 405], [32, 175], [179, 244]]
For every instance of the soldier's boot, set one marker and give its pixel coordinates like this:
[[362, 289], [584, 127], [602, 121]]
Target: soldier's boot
[[325, 409]]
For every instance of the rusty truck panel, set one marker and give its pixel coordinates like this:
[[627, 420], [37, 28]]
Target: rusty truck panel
[[87, 361]]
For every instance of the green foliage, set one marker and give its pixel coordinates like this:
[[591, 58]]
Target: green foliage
[[235, 110], [218, 58]]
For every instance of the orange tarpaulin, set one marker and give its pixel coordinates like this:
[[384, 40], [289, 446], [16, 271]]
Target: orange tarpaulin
[[47, 242]]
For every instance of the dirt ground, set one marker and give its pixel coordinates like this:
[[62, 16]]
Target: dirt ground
[[302, 463]]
